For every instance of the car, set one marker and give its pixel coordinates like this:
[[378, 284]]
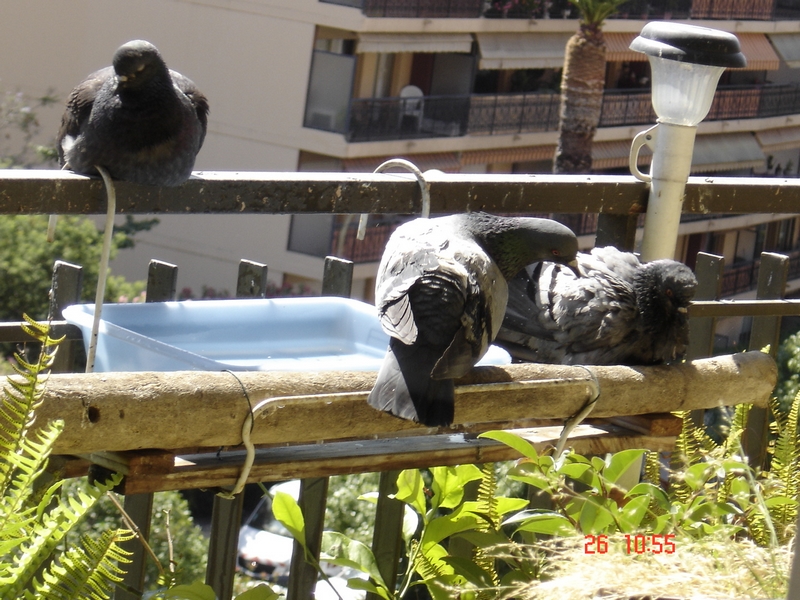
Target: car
[[265, 550]]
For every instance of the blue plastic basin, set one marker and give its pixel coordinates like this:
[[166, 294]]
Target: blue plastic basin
[[279, 334]]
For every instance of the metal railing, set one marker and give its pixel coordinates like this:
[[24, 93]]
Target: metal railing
[[643, 10], [374, 119], [616, 198]]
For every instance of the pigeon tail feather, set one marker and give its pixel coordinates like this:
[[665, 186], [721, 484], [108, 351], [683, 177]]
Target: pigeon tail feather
[[403, 391]]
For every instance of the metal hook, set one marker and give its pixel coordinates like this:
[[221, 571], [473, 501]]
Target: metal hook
[[423, 184]]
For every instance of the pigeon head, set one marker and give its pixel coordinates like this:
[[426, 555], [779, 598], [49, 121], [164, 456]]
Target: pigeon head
[[664, 289], [514, 242], [137, 63]]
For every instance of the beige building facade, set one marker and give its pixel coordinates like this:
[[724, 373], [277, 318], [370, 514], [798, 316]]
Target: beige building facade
[[454, 85]]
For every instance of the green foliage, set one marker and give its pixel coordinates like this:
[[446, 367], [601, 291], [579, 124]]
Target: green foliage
[[34, 521], [26, 263], [594, 12], [19, 125], [171, 521], [446, 534], [201, 591], [788, 360], [345, 511]]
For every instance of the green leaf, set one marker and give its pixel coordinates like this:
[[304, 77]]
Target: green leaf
[[620, 463], [470, 571], [512, 440], [355, 583], [632, 513], [650, 490], [697, 475], [740, 491], [598, 463], [776, 501], [287, 511], [341, 550], [411, 490], [448, 484], [260, 592], [195, 591], [443, 527], [507, 505], [575, 471], [548, 524], [595, 516], [532, 475]]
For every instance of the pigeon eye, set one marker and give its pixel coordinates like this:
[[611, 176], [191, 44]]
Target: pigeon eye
[[668, 293], [555, 252]]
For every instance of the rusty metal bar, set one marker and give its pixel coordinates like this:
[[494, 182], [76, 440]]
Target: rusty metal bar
[[47, 191]]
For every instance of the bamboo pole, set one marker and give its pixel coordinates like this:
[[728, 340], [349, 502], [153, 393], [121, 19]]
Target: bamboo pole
[[186, 409]]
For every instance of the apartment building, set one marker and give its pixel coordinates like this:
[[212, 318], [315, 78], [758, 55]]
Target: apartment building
[[467, 86]]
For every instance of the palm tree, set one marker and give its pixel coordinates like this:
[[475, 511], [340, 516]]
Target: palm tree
[[582, 87]]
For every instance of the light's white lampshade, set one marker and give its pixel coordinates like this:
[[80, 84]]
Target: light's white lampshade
[[682, 91]]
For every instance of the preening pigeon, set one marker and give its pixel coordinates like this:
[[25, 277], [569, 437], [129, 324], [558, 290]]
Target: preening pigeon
[[441, 294], [137, 121], [619, 312]]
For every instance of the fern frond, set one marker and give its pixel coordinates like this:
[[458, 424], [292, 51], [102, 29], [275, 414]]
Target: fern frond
[[426, 568], [687, 452], [89, 571], [46, 534], [487, 498], [22, 396], [738, 426], [15, 510]]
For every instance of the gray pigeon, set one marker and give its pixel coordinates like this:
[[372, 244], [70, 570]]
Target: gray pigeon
[[441, 294], [619, 311], [139, 120], [136, 121]]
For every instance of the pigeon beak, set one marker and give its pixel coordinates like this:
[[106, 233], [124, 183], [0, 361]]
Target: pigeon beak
[[683, 309], [573, 265], [122, 78]]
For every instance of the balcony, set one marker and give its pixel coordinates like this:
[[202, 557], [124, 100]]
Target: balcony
[[380, 119], [740, 278], [763, 10]]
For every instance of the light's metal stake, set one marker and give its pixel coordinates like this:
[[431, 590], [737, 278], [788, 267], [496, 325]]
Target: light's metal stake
[[672, 147]]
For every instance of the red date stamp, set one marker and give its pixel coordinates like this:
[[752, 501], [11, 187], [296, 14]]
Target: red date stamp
[[639, 543]]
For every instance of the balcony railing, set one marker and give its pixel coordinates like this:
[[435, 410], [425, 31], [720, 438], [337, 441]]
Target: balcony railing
[[373, 119], [742, 278], [342, 434], [644, 10]]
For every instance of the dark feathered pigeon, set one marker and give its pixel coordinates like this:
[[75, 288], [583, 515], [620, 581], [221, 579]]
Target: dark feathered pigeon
[[441, 294], [139, 120], [618, 312], [135, 121]]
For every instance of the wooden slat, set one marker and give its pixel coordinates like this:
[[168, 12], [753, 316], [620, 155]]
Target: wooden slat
[[772, 275], [659, 424], [252, 279], [130, 411]]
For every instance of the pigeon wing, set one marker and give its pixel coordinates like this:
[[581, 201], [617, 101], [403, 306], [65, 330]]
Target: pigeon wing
[[198, 100], [78, 109]]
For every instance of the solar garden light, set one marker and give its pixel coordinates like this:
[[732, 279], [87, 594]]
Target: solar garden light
[[686, 63]]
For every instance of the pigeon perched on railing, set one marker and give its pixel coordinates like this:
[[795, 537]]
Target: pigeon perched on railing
[[441, 294], [137, 121], [620, 311]]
